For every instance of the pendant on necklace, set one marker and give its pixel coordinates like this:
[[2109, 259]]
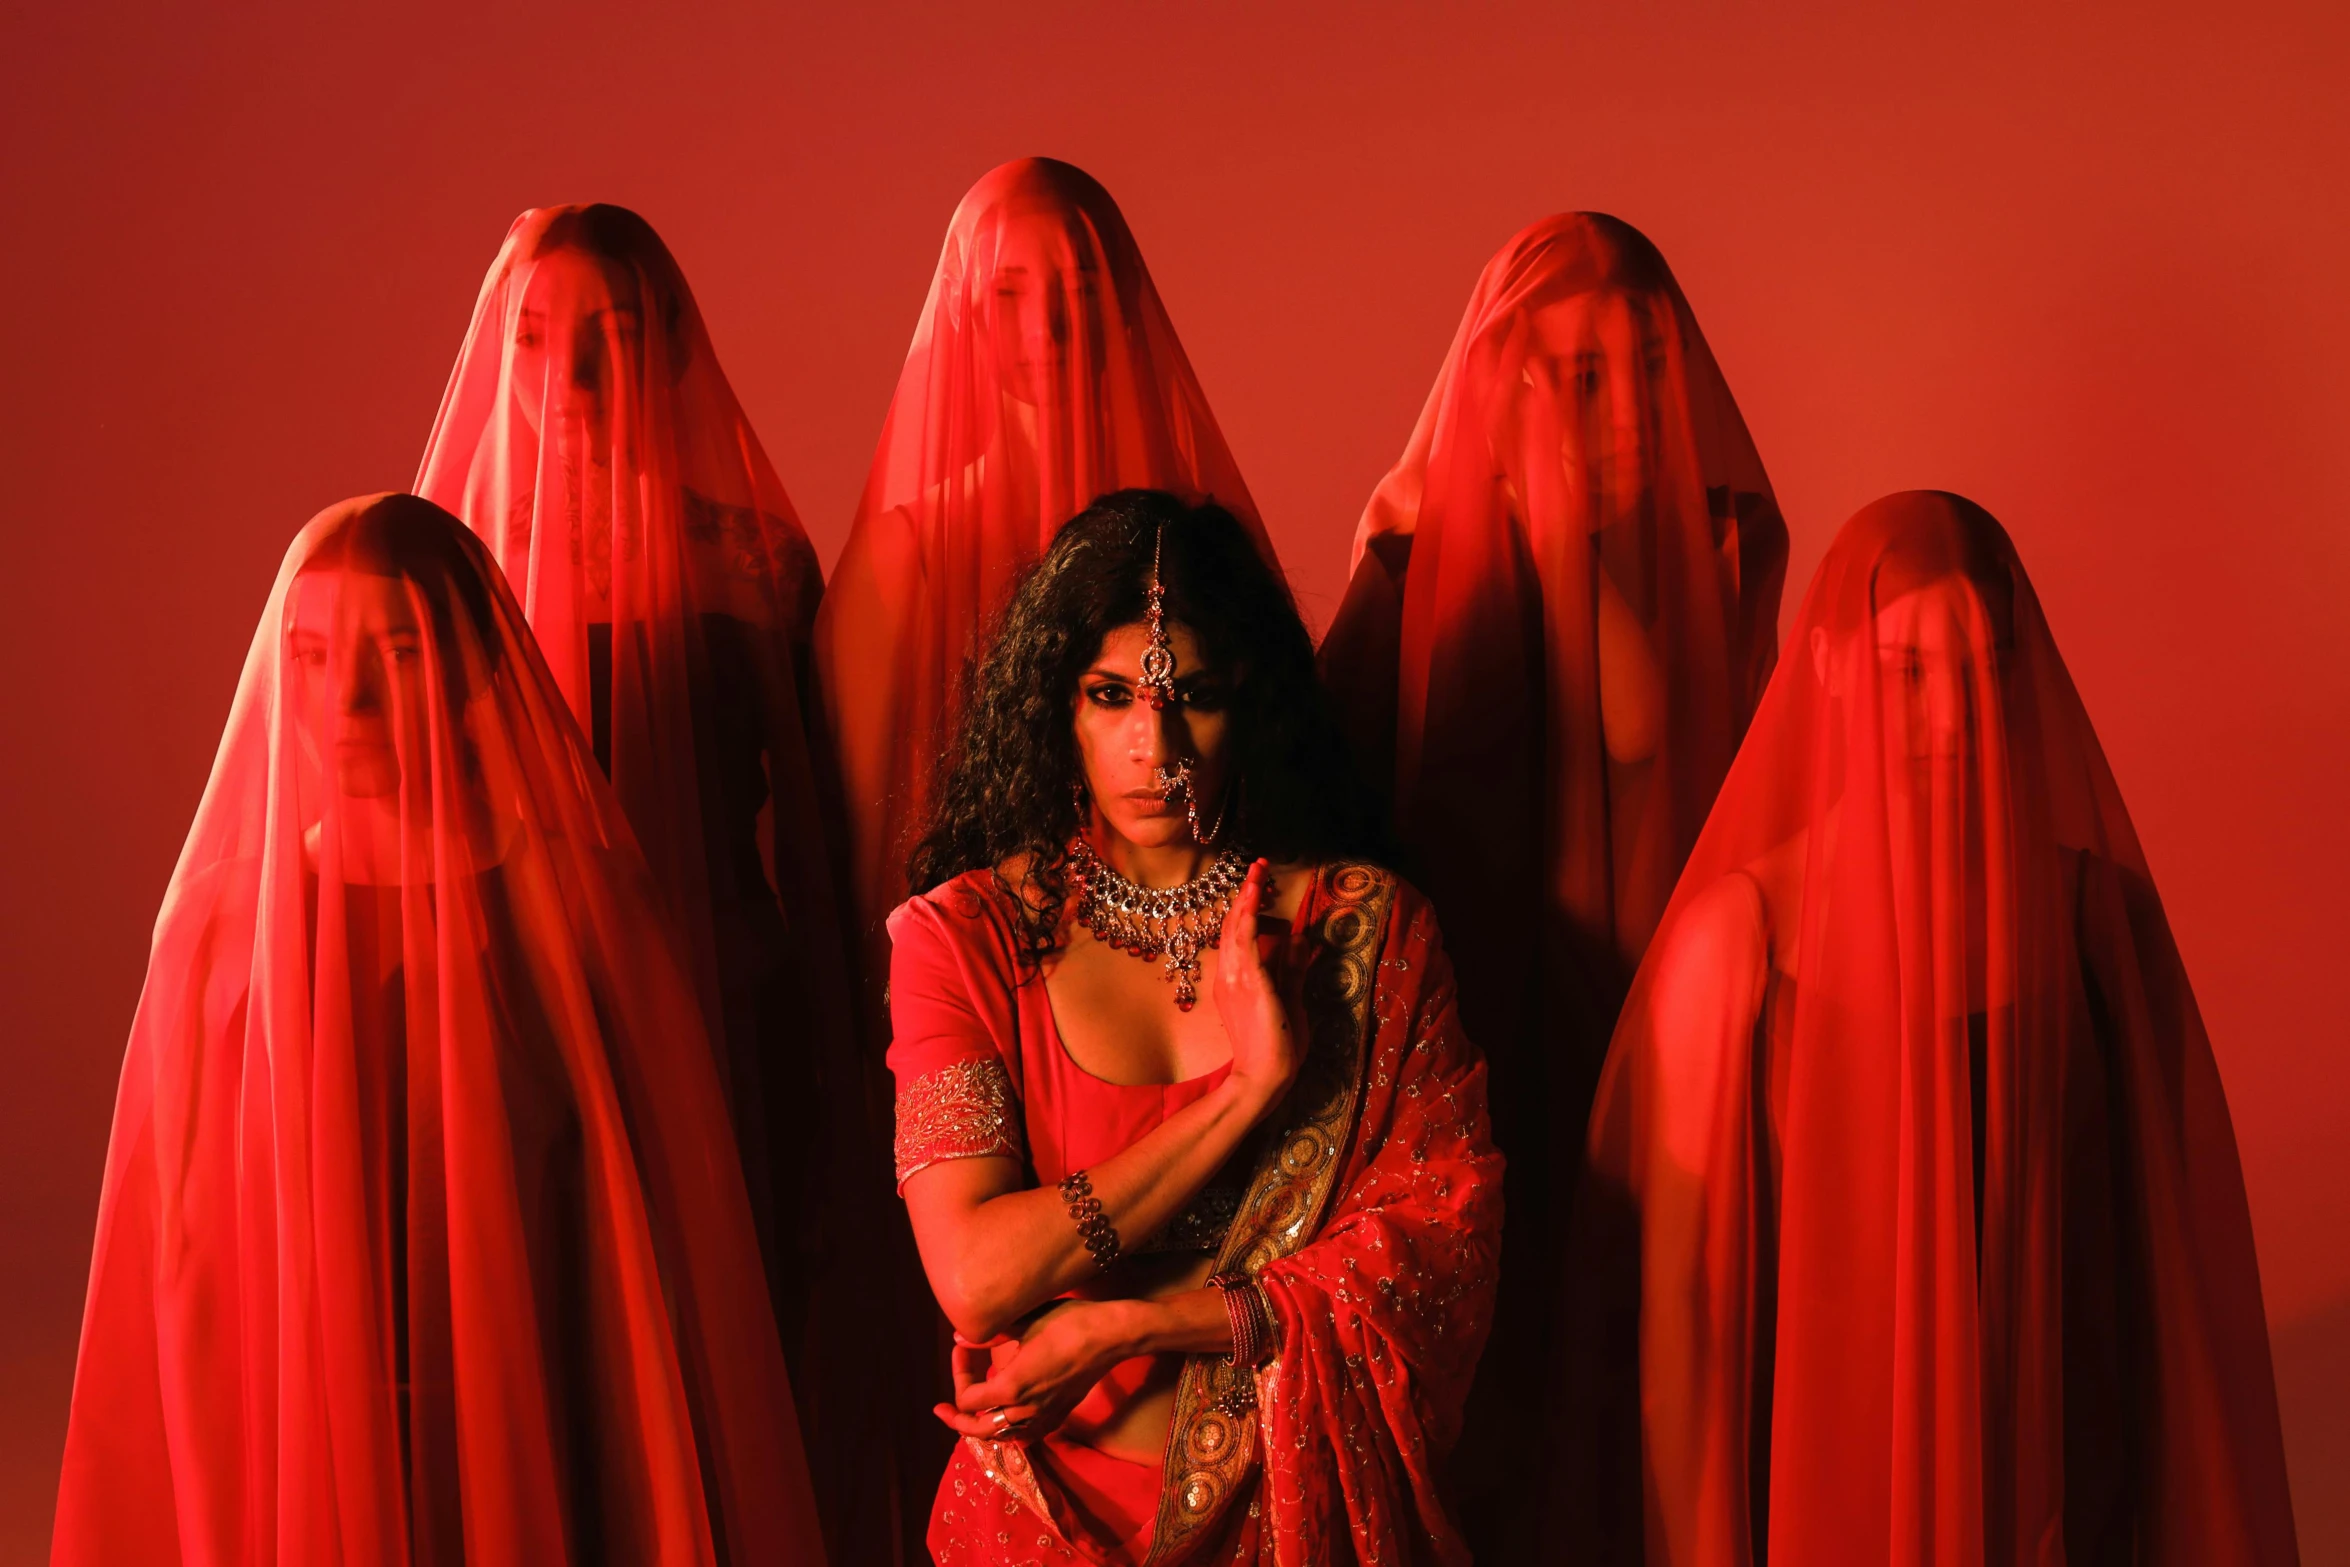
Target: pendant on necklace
[[1175, 924]]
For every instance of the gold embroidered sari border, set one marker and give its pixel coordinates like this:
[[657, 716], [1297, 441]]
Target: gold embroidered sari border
[[1212, 1437]]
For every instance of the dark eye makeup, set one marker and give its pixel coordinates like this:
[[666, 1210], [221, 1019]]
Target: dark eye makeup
[[1208, 694]]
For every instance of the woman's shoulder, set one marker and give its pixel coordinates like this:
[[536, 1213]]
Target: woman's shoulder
[[985, 900], [202, 904], [1719, 935], [961, 898]]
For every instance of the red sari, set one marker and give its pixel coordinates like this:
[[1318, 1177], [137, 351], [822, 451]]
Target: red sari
[[590, 438], [422, 1238], [1562, 612], [1371, 1222], [1916, 1232]]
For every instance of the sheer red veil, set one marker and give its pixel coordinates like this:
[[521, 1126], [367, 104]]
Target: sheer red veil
[[1561, 615], [422, 1238], [1916, 1230], [590, 437]]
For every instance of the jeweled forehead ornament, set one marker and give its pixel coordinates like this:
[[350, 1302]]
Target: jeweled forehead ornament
[[1158, 654]]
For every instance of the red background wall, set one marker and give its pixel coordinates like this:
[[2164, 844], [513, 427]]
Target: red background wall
[[2087, 269]]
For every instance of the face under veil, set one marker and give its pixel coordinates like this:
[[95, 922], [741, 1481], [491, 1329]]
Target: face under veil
[[421, 1237], [591, 439], [1562, 610], [1567, 589], [1915, 1211]]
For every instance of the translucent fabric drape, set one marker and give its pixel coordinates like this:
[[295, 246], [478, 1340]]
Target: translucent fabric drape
[[1044, 373], [1562, 611], [422, 1238], [1916, 1232], [589, 436]]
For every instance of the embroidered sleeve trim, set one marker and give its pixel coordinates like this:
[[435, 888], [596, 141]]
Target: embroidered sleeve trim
[[961, 1111]]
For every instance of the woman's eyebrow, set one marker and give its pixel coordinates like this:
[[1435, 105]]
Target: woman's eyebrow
[[1111, 674]]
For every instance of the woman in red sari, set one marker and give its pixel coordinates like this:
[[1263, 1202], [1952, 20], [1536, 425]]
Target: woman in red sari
[[1219, 1273], [1915, 1221], [422, 1238], [589, 437], [1563, 609], [1044, 373]]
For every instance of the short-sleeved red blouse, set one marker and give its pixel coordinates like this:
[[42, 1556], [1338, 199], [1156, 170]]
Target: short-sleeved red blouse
[[982, 1070], [962, 997]]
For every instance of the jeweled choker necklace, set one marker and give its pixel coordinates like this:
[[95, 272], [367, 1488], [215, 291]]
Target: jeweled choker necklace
[[1175, 923]]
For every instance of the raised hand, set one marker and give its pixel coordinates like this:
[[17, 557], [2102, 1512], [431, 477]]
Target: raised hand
[[1265, 1050]]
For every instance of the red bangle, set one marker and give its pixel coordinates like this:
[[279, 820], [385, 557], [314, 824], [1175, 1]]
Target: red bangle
[[1252, 1327]]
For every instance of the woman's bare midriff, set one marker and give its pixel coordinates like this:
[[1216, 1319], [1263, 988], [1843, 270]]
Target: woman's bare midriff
[[1128, 1412]]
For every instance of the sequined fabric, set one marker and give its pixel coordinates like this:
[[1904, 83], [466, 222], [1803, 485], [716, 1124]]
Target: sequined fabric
[[1379, 1315], [1200, 1226], [961, 1111]]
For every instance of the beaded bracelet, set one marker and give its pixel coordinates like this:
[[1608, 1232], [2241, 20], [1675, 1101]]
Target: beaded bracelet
[[1252, 1327], [1093, 1225]]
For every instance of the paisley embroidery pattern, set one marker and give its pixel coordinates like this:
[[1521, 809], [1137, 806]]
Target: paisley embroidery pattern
[[964, 1110]]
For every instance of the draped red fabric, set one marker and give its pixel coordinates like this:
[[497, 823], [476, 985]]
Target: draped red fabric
[[1381, 1305], [1044, 374], [589, 436], [1916, 1229], [422, 1238], [1563, 609]]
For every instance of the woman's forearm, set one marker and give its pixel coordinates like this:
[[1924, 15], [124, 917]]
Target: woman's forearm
[[1195, 1322], [1008, 1254]]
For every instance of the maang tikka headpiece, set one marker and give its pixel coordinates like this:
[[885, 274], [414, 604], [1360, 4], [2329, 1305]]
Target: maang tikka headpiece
[[1157, 687], [1158, 654]]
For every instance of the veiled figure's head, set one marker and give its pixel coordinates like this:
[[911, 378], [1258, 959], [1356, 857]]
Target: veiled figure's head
[[1585, 358], [599, 299], [1050, 272]]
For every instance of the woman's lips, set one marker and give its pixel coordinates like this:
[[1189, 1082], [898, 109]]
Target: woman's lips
[[1149, 802]]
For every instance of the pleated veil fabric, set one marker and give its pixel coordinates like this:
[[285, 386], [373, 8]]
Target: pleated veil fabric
[[1916, 1231], [590, 437], [422, 1237], [1562, 611]]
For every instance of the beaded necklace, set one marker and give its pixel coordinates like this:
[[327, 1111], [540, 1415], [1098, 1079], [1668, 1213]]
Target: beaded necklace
[[1177, 923]]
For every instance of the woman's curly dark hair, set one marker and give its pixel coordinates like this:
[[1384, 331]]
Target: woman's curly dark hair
[[1008, 792]]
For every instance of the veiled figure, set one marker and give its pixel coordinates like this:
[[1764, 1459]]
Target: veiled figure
[[1044, 373], [1217, 1228], [1563, 609], [422, 1238], [589, 436], [1915, 1231]]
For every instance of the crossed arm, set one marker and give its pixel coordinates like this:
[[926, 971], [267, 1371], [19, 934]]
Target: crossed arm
[[995, 1252]]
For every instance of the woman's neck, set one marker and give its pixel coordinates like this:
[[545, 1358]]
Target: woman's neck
[[375, 848], [1168, 865]]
